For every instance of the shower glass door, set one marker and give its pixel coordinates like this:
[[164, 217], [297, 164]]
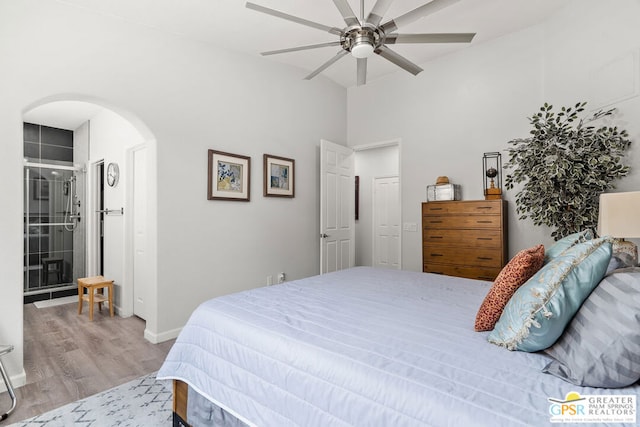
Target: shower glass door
[[54, 225]]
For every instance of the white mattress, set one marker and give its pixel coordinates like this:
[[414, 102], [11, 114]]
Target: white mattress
[[361, 347]]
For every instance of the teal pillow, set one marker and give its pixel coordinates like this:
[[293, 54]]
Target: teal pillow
[[565, 243], [537, 314]]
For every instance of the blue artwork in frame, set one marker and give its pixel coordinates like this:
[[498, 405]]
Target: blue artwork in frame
[[229, 176], [279, 176]]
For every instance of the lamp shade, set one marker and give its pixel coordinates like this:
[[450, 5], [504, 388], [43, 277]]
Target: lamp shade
[[619, 215]]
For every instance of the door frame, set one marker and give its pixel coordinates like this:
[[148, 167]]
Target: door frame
[[94, 249], [396, 142]]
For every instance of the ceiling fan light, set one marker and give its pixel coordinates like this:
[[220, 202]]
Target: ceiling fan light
[[362, 50]]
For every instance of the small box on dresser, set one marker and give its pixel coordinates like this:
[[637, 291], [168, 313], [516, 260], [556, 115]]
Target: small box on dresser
[[444, 192], [465, 238]]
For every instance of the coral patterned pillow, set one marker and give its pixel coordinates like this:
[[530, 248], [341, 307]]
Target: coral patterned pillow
[[520, 269]]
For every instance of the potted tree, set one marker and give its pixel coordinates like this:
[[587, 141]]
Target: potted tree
[[564, 166]]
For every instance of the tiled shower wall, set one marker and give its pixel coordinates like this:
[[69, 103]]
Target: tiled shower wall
[[43, 144]]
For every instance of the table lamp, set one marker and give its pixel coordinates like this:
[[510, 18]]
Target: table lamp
[[619, 217]]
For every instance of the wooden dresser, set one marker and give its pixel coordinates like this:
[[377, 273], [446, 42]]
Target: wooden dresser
[[465, 238]]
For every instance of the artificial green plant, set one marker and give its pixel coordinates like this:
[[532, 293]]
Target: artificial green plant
[[564, 166]]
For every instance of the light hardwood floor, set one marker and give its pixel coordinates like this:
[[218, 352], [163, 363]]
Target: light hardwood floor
[[67, 357]]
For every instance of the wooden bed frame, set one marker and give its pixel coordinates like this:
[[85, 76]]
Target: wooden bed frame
[[180, 394]]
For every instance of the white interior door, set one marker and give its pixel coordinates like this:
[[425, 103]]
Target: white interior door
[[141, 280], [337, 205], [386, 222]]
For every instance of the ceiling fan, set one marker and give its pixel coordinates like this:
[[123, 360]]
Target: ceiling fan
[[364, 37]]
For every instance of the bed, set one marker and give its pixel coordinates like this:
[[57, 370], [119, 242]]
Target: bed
[[358, 347]]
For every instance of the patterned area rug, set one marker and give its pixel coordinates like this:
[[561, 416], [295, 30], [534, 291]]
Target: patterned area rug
[[142, 402]]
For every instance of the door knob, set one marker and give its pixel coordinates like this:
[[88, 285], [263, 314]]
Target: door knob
[[323, 236]]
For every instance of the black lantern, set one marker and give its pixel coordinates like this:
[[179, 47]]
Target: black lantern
[[492, 175]]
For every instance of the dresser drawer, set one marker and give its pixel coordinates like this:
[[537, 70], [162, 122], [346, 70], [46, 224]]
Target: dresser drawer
[[472, 207], [479, 273], [470, 256], [477, 221], [473, 238]]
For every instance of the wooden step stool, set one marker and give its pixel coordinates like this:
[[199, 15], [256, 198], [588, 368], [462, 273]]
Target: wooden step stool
[[91, 284]]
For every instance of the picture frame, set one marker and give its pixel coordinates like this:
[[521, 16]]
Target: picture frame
[[229, 176], [279, 176]]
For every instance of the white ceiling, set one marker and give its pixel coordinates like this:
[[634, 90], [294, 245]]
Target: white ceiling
[[230, 25]]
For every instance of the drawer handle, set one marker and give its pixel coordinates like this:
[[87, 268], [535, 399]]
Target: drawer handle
[[483, 222], [484, 238], [436, 237], [435, 209], [435, 222], [484, 207], [485, 258], [437, 255]]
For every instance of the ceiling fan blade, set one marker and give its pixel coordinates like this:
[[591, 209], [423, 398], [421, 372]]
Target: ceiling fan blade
[[415, 14], [277, 13], [346, 12], [327, 64], [430, 38], [377, 13], [295, 49], [398, 59], [362, 71]]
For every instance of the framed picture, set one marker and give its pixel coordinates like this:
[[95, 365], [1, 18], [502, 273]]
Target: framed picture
[[279, 176], [229, 176]]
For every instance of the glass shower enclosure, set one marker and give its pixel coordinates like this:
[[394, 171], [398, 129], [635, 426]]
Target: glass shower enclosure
[[54, 230]]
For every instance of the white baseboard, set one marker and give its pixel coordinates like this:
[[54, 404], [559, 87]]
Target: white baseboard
[[162, 336], [16, 380]]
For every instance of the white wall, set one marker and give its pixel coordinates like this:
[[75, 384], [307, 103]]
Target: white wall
[[369, 164], [476, 100], [189, 97], [110, 136]]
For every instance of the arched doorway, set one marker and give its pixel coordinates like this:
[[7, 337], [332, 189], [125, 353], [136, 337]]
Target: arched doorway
[[122, 212]]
